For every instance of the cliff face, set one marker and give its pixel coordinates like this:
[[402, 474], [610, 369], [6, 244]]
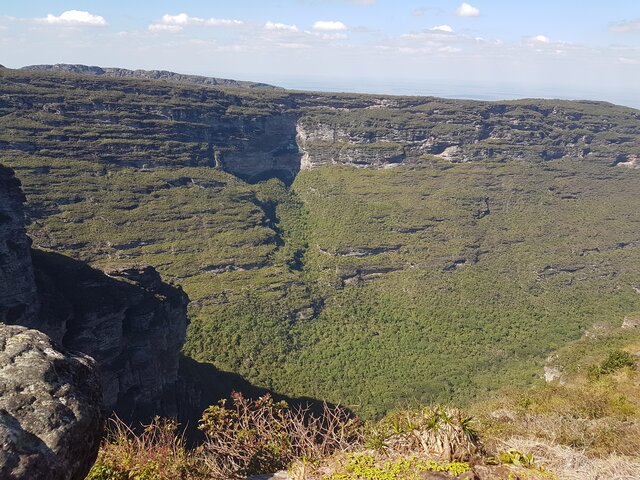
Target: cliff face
[[18, 296], [130, 321], [392, 132], [257, 133]]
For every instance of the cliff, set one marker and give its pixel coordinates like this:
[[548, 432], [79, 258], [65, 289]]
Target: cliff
[[18, 296], [130, 321], [258, 133]]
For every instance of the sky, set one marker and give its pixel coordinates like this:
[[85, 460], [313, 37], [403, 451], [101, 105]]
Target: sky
[[477, 49]]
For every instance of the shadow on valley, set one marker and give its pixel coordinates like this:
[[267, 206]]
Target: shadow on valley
[[202, 384], [133, 324]]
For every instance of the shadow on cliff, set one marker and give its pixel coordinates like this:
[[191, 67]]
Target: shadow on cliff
[[269, 149], [130, 321]]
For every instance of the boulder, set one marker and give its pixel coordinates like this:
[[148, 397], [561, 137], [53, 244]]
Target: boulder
[[50, 408]]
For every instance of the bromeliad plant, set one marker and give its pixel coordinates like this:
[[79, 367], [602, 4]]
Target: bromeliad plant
[[436, 431]]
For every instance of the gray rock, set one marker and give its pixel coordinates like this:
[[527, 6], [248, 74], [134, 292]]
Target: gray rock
[[130, 321], [18, 298], [50, 414]]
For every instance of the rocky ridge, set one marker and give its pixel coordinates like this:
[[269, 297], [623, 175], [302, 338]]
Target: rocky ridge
[[145, 74], [18, 296]]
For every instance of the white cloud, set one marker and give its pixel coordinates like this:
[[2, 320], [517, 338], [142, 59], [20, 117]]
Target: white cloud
[[280, 26], [541, 39], [625, 27], [629, 61], [329, 26], [180, 19], [364, 2], [293, 46], [75, 18], [222, 22], [176, 23], [467, 10], [442, 28], [159, 27]]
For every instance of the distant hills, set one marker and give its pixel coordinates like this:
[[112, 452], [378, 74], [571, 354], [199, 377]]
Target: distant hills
[[148, 74]]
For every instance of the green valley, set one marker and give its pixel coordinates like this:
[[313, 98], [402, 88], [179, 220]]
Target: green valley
[[372, 251]]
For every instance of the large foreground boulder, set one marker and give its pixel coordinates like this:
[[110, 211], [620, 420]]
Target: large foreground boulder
[[50, 408]]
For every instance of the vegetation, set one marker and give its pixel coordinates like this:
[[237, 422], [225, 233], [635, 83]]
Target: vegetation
[[263, 436], [429, 282]]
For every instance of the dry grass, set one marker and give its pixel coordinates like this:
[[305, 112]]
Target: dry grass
[[158, 453], [571, 464]]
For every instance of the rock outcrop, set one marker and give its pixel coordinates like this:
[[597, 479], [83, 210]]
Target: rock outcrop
[[130, 321], [18, 296], [50, 415]]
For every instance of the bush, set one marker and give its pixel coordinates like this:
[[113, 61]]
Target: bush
[[262, 436], [444, 432], [158, 453], [617, 360]]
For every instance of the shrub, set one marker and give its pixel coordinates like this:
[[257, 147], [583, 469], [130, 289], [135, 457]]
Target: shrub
[[367, 467], [261, 436], [617, 360], [440, 431], [158, 453]]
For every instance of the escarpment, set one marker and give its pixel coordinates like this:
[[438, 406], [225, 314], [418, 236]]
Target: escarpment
[[257, 133], [404, 224], [130, 321]]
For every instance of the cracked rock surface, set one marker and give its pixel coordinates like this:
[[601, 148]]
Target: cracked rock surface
[[50, 416]]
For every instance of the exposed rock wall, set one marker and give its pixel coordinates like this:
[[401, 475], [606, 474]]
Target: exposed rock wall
[[130, 321], [50, 413], [18, 297], [257, 133], [391, 132]]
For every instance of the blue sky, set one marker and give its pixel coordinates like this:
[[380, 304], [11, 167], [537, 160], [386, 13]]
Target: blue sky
[[526, 48]]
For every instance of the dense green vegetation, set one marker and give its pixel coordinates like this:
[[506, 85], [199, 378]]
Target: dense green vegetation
[[429, 281]]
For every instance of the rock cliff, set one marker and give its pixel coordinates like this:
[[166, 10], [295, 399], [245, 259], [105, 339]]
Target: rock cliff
[[130, 321], [258, 133], [50, 414], [18, 296]]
